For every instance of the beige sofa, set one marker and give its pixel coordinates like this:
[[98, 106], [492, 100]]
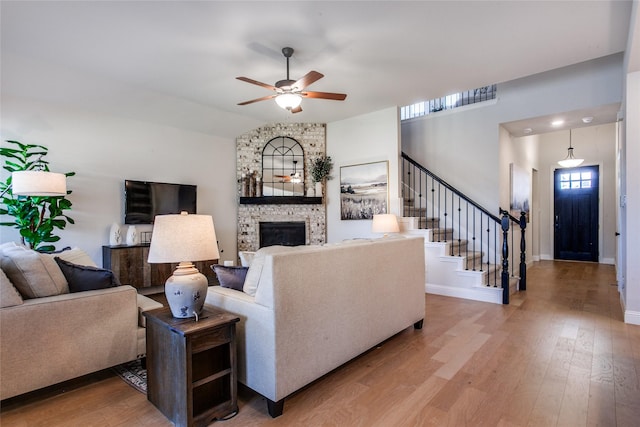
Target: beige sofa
[[307, 310], [47, 340]]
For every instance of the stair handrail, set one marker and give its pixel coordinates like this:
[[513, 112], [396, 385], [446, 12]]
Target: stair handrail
[[452, 188], [503, 222]]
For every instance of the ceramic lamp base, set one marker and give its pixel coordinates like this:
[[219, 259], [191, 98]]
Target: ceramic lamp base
[[186, 291]]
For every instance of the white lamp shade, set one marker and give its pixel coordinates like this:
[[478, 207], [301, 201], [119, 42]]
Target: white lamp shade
[[183, 237], [38, 183], [385, 223], [570, 161], [288, 101]]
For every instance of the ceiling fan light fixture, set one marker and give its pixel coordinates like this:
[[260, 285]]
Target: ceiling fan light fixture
[[289, 101]]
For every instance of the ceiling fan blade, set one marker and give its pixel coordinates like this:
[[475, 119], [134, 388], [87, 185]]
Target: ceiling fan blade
[[306, 80], [264, 98], [325, 95], [297, 109], [255, 82]]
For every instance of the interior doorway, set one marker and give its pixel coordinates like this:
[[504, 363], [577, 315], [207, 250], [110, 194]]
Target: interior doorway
[[576, 213]]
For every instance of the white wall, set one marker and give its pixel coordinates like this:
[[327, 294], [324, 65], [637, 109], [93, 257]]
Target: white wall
[[595, 144], [368, 138], [522, 152], [105, 150], [461, 146], [631, 292]]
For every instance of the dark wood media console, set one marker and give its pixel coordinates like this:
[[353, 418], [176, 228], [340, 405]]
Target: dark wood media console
[[129, 264]]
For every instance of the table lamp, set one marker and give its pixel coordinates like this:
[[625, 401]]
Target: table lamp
[[385, 223], [184, 238]]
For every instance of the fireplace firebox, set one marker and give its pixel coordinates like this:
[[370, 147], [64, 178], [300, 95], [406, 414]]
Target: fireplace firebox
[[283, 233]]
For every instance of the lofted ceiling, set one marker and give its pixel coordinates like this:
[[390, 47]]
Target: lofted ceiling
[[175, 62]]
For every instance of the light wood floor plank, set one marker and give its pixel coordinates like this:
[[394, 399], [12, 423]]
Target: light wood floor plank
[[559, 355]]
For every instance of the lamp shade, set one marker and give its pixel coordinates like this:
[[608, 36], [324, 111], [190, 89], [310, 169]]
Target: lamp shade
[[570, 161], [385, 223], [183, 237], [38, 183]]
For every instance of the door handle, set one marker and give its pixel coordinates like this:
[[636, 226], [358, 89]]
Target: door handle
[[557, 224]]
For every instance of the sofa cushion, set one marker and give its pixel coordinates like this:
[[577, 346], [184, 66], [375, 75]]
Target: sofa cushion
[[246, 257], [86, 278], [255, 271], [145, 304], [76, 256], [230, 276], [34, 274], [9, 295]]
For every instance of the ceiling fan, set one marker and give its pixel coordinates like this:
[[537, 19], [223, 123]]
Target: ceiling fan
[[289, 93]]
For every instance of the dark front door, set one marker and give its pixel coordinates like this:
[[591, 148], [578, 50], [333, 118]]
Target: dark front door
[[576, 213]]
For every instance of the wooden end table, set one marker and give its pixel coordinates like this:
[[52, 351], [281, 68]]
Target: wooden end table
[[191, 366]]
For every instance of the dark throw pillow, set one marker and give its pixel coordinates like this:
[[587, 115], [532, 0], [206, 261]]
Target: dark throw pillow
[[230, 277], [86, 278]]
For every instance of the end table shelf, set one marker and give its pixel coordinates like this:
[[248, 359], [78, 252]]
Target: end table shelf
[[191, 366]]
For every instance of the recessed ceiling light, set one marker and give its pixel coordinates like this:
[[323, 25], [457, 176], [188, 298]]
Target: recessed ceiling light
[[557, 123], [527, 130], [587, 119]]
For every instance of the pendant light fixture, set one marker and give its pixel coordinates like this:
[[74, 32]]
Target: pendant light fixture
[[570, 161]]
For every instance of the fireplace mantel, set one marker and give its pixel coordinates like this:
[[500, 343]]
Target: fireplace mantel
[[281, 200]]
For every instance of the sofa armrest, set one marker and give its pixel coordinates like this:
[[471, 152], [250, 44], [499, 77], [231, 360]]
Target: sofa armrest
[[145, 304]]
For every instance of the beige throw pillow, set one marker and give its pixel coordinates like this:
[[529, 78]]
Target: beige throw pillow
[[75, 256], [9, 295], [35, 275]]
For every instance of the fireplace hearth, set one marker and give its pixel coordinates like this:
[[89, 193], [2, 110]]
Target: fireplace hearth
[[285, 233]]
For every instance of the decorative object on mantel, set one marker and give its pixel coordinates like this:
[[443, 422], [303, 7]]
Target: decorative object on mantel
[[34, 196], [115, 237], [385, 223], [184, 239], [133, 238], [320, 173], [251, 184]]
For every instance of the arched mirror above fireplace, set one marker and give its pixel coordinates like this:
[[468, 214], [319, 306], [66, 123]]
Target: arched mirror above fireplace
[[283, 167]]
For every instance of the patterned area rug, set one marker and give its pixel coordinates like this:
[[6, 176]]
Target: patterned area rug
[[133, 374]]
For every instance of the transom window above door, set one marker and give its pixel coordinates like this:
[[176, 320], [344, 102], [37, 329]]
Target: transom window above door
[[283, 167], [576, 178]]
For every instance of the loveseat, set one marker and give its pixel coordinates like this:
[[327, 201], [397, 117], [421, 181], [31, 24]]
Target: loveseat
[[306, 310], [48, 339]]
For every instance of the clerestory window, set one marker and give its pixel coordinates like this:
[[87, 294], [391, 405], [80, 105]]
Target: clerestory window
[[449, 102]]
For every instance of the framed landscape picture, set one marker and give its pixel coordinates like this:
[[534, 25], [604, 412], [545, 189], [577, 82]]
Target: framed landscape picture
[[364, 190]]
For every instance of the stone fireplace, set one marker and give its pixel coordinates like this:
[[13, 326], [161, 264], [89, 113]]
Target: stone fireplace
[[302, 210]]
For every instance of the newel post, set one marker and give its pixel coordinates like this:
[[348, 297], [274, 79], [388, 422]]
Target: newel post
[[505, 257], [523, 248]]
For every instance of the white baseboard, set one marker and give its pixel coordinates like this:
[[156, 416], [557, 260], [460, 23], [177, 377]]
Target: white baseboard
[[632, 317], [547, 257], [484, 294]]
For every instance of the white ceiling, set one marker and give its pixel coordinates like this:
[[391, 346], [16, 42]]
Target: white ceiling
[[175, 62]]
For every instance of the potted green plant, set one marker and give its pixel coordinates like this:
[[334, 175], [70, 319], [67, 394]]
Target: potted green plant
[[36, 217], [320, 173]]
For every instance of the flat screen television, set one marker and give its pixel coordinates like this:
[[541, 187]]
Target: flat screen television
[[144, 200]]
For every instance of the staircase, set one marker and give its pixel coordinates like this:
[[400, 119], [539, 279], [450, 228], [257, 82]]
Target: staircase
[[466, 247]]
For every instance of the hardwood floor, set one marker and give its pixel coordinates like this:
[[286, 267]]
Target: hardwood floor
[[558, 355]]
